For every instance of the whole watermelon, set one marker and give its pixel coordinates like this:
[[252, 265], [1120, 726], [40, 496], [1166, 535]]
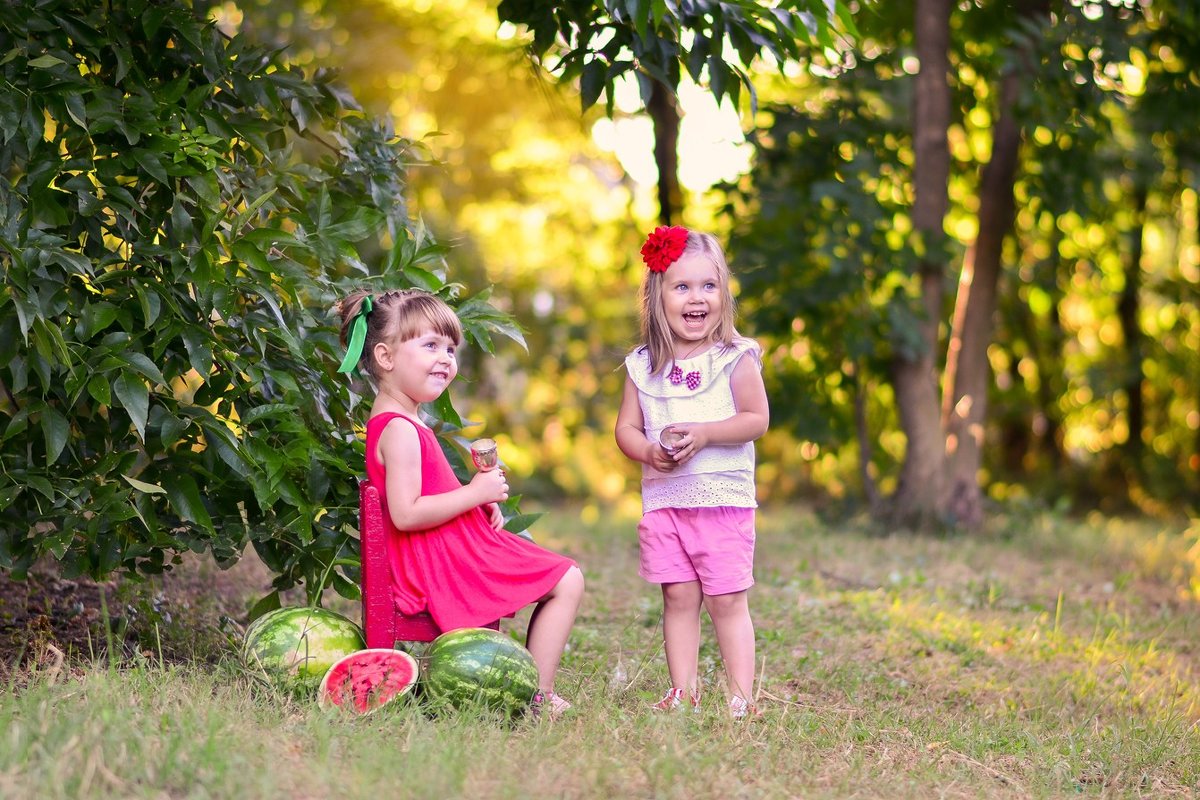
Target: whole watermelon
[[294, 647], [479, 668]]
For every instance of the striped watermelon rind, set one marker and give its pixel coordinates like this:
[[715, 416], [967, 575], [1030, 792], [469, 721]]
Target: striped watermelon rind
[[292, 648], [479, 668], [367, 680]]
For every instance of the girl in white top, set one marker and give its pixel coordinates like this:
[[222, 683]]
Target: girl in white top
[[694, 403]]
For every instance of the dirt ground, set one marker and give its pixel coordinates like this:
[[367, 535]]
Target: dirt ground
[[188, 612]]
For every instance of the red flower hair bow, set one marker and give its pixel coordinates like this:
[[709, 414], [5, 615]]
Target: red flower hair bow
[[664, 246]]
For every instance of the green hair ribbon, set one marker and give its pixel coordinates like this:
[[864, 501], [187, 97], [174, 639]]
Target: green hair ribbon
[[358, 337]]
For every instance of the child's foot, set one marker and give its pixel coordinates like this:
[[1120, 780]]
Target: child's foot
[[674, 698], [741, 708], [549, 705]]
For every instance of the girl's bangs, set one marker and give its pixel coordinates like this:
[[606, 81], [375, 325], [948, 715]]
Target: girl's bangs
[[429, 313]]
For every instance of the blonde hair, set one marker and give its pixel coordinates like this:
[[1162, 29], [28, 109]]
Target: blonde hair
[[656, 334], [402, 314]]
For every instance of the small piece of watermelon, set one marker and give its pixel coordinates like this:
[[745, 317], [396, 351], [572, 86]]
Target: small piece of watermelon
[[367, 680]]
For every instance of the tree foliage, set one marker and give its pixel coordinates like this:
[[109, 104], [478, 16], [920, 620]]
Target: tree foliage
[[535, 207], [179, 211], [597, 43], [826, 213]]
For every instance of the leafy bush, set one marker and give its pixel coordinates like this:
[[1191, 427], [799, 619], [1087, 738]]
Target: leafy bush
[[179, 211]]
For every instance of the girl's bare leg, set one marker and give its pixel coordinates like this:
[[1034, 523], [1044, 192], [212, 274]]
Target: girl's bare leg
[[681, 633], [551, 624], [730, 614]]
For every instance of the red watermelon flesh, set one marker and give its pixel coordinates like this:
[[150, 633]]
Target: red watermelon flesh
[[367, 680]]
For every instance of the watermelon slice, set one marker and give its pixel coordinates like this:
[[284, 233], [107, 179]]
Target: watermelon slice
[[367, 680]]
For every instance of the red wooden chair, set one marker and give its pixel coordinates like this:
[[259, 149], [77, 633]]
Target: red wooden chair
[[382, 623]]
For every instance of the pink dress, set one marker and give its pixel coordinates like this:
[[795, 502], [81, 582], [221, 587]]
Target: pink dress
[[464, 572]]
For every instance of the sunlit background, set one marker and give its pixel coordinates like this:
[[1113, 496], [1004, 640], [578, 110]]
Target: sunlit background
[[549, 205]]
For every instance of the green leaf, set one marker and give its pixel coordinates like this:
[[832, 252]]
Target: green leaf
[[142, 486], [141, 363], [264, 604], [181, 220], [43, 486], [249, 254], [443, 408], [846, 17], [8, 494], [153, 19], [696, 57], [152, 163], [637, 10], [185, 499], [150, 302], [42, 62], [244, 217], [199, 353], [207, 189], [317, 482], [521, 522], [99, 316], [591, 83], [143, 505], [76, 109], [267, 410], [57, 543], [658, 10], [423, 279], [225, 445], [19, 422], [55, 429], [169, 430], [131, 391], [100, 390], [718, 76], [345, 587], [48, 339], [356, 226]]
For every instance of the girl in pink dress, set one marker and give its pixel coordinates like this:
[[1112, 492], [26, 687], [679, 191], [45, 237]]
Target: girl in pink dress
[[449, 554]]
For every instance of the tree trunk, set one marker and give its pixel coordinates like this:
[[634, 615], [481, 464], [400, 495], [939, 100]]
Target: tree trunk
[[1128, 307], [664, 112], [914, 374], [964, 407]]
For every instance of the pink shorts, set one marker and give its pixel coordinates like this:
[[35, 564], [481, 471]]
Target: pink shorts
[[712, 545]]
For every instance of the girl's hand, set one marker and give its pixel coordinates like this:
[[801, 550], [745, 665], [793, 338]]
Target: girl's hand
[[490, 486], [495, 515], [660, 459], [695, 439]]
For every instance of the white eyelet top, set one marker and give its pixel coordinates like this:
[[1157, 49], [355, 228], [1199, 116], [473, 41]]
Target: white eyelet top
[[719, 475]]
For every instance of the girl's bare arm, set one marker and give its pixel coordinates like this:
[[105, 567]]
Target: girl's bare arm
[[631, 437], [400, 452]]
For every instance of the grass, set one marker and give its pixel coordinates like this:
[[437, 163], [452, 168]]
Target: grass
[[1043, 658]]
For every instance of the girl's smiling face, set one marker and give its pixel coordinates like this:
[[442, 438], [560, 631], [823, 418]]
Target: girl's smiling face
[[425, 365], [692, 299]]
